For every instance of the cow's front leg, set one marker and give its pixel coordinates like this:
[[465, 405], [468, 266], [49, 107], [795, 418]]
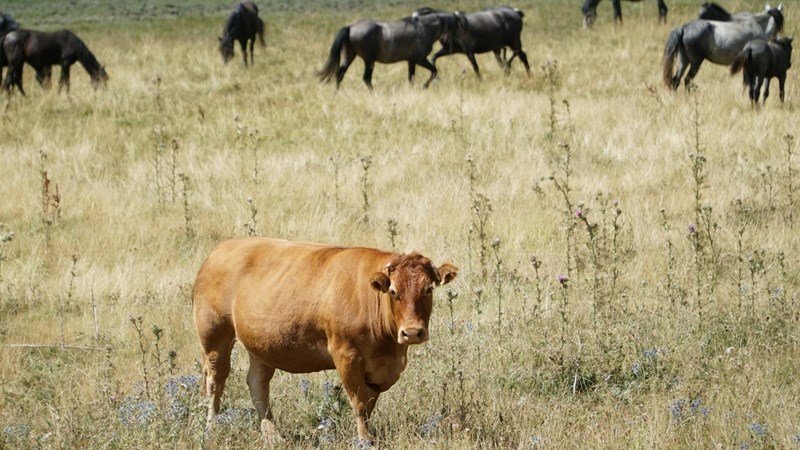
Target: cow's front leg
[[351, 368]]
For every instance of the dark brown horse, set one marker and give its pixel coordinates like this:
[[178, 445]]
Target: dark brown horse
[[42, 50], [243, 25], [491, 30], [761, 60], [409, 39]]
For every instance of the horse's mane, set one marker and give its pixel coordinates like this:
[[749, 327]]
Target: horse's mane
[[85, 56], [711, 9]]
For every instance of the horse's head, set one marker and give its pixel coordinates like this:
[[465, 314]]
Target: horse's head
[[99, 78], [7, 23], [776, 13], [226, 49], [589, 10]]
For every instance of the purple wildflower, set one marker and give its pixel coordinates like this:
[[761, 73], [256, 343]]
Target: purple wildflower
[[562, 279]]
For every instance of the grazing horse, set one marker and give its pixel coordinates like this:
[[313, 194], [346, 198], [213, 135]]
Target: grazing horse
[[42, 50], [761, 60], [589, 10], [243, 25], [490, 30], [718, 42], [409, 39]]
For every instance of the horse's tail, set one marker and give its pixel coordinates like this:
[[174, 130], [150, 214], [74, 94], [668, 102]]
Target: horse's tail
[[674, 43], [741, 61], [332, 64]]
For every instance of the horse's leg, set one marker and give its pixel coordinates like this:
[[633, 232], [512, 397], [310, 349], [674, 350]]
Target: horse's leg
[[369, 66], [471, 57], [349, 57], [427, 64], [617, 10], [781, 83], [243, 46], [412, 67], [524, 58], [757, 91], [64, 80], [252, 44], [662, 11], [766, 89], [694, 67]]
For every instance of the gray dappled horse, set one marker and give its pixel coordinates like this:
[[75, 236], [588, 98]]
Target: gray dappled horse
[[718, 42], [409, 39], [761, 60], [243, 25], [490, 30], [41, 50], [589, 10]]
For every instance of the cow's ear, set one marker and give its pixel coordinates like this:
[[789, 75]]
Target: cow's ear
[[447, 273], [380, 282]]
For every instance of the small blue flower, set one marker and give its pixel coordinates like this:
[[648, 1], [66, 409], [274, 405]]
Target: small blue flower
[[430, 425], [327, 388], [304, 386], [535, 440], [797, 438], [636, 368], [759, 430], [19, 431], [137, 412], [695, 405], [361, 444], [651, 354], [676, 408], [744, 446], [326, 428]]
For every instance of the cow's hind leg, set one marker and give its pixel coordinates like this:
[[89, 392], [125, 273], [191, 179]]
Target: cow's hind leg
[[217, 349], [258, 378]]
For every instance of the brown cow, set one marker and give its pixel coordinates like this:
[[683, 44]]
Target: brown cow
[[303, 308]]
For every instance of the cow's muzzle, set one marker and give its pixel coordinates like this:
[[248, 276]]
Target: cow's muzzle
[[412, 335]]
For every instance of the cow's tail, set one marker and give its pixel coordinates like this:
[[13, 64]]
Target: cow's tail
[[741, 61], [332, 64], [674, 44]]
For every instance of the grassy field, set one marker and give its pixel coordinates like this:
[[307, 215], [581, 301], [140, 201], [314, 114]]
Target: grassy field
[[628, 255]]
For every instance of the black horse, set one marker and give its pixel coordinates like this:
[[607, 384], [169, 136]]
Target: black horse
[[409, 39], [761, 60], [589, 10], [490, 30], [42, 50], [243, 25]]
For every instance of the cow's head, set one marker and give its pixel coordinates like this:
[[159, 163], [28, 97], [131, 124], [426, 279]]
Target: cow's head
[[409, 281]]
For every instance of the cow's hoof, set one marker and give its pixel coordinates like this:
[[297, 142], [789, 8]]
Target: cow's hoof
[[270, 433]]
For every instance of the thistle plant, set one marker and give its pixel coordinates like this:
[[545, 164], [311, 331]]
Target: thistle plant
[[562, 184], [552, 78], [336, 162], [366, 163], [498, 277], [187, 217], [250, 226], [5, 237], [481, 211], [536, 263], [391, 228], [790, 174], [139, 328]]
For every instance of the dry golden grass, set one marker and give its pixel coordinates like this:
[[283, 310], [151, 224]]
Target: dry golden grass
[[719, 326]]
